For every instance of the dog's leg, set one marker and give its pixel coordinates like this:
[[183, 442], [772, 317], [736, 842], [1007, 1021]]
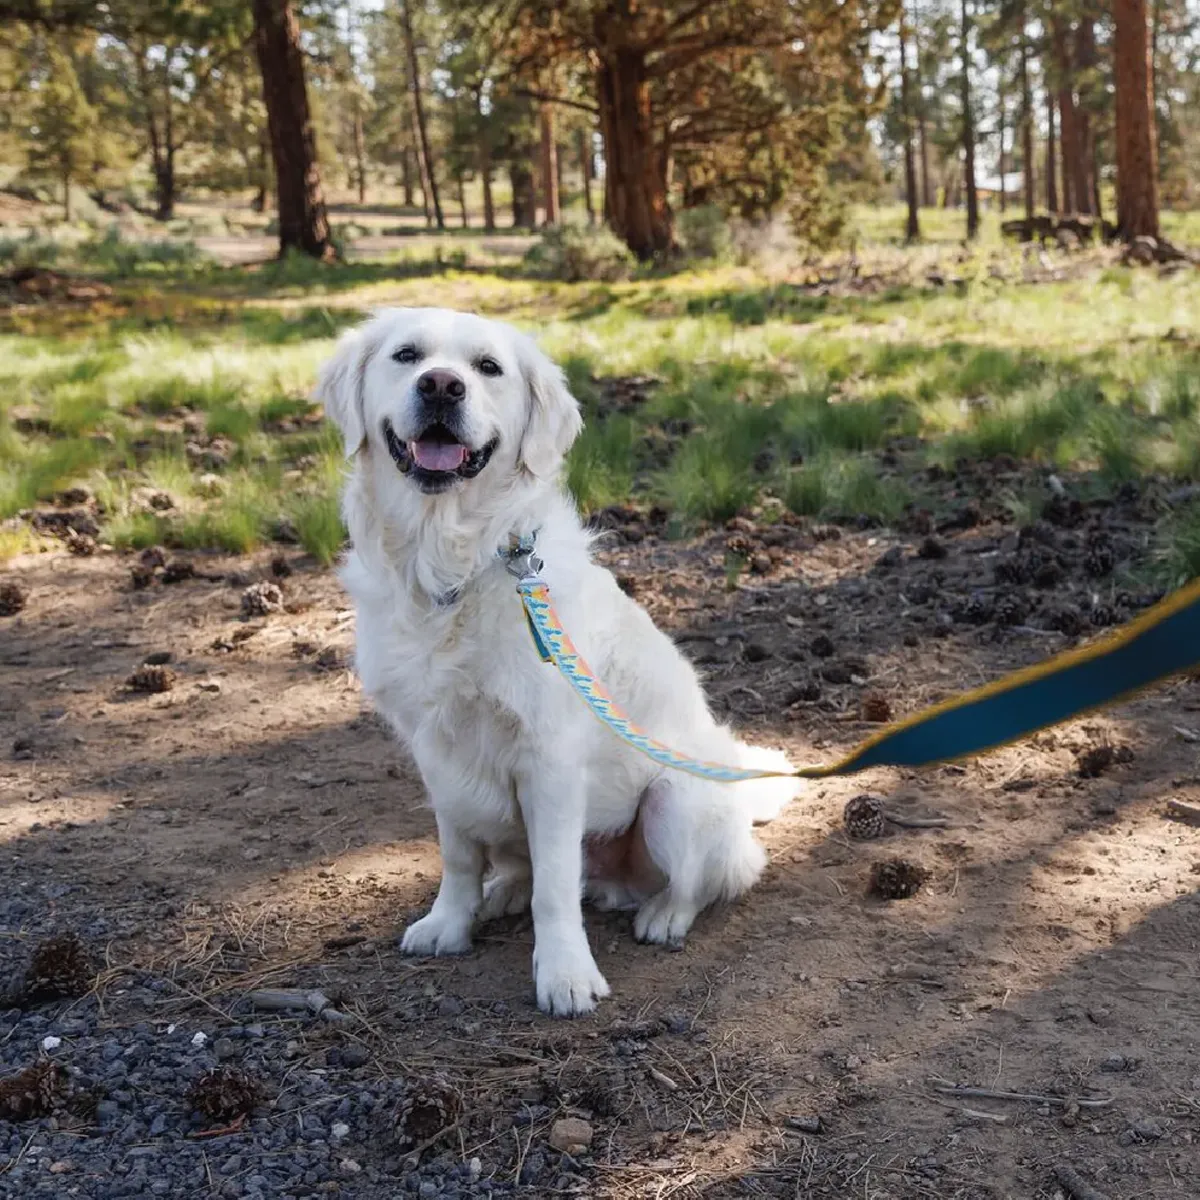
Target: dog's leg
[[704, 846], [447, 927], [508, 888], [565, 974]]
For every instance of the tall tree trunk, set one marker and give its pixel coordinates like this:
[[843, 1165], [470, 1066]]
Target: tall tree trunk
[[912, 227], [583, 141], [1083, 166], [303, 223], [922, 132], [360, 153], [1003, 150], [66, 186], [549, 165], [428, 175], [1067, 127], [635, 192], [262, 195], [524, 205], [1051, 155], [1137, 164], [1027, 123], [968, 129], [164, 186], [485, 177], [406, 176], [460, 180]]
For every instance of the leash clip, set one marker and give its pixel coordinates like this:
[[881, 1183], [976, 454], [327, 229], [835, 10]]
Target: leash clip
[[520, 561]]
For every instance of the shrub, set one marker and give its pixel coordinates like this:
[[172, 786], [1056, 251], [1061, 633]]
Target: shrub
[[704, 232], [574, 254]]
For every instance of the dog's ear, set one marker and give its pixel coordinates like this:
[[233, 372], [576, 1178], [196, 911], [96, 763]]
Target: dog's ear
[[341, 383], [553, 420]]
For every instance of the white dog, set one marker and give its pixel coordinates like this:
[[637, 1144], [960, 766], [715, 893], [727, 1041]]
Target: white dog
[[457, 427]]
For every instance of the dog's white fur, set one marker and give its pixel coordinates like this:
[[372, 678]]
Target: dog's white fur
[[536, 801]]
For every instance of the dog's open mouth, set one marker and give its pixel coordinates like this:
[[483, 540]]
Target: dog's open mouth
[[437, 458]]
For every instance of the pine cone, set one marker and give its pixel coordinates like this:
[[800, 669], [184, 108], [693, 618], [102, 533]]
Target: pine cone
[[977, 610], [1067, 620], [897, 879], [1099, 556], [153, 557], [429, 1107], [1014, 569], [12, 599], [224, 1094], [876, 709], [864, 819], [1104, 615], [34, 1092], [262, 599], [151, 679], [59, 969], [1011, 609], [177, 570], [140, 576]]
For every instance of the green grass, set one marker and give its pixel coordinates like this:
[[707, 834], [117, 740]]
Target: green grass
[[769, 389]]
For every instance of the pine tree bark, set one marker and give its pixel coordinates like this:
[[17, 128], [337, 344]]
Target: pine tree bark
[[912, 227], [485, 178], [1137, 160], [1003, 167], [1051, 156], [406, 176], [1027, 125], [425, 155], [968, 129], [460, 180], [360, 153], [583, 139], [922, 132], [303, 223], [1061, 54], [1084, 159], [524, 206], [635, 190], [549, 164]]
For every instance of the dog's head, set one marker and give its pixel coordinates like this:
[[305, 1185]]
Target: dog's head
[[449, 398]]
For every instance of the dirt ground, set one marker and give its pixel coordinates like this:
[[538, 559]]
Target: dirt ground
[[254, 825]]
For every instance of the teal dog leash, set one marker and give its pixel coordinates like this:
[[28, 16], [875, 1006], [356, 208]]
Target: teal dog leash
[[1162, 642]]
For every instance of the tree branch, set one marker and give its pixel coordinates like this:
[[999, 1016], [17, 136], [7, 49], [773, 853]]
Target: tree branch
[[532, 94]]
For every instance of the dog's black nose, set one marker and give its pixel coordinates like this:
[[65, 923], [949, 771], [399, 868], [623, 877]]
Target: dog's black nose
[[442, 384]]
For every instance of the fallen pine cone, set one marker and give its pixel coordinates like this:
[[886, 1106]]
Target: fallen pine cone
[[897, 879], [429, 1107], [151, 679], [34, 1092], [262, 599], [177, 570], [12, 599], [1093, 762], [224, 1094], [864, 818], [876, 709], [60, 969]]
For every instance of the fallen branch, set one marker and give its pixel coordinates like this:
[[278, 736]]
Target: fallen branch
[[234, 1127], [981, 1093], [916, 822], [1077, 1189]]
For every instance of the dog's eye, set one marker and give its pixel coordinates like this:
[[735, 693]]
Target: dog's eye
[[488, 366], [406, 354]]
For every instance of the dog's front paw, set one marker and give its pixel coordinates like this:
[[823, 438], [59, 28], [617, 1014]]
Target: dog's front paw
[[569, 983], [437, 934], [664, 920]]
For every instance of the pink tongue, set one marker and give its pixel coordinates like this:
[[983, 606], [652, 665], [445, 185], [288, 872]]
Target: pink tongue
[[438, 456]]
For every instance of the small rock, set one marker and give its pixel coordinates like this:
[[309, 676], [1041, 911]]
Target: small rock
[[821, 646], [355, 1055], [224, 1048], [571, 1136], [1114, 1062], [931, 548], [339, 1130], [761, 564], [50, 1042], [450, 1006], [756, 652], [1147, 1130], [199, 1039]]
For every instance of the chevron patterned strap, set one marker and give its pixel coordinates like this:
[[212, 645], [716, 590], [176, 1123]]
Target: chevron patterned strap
[[1162, 642]]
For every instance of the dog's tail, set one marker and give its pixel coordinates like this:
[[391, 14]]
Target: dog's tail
[[765, 798]]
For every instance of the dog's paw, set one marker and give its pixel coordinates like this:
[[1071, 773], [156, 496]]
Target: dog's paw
[[505, 895], [569, 983], [664, 920], [436, 935]]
